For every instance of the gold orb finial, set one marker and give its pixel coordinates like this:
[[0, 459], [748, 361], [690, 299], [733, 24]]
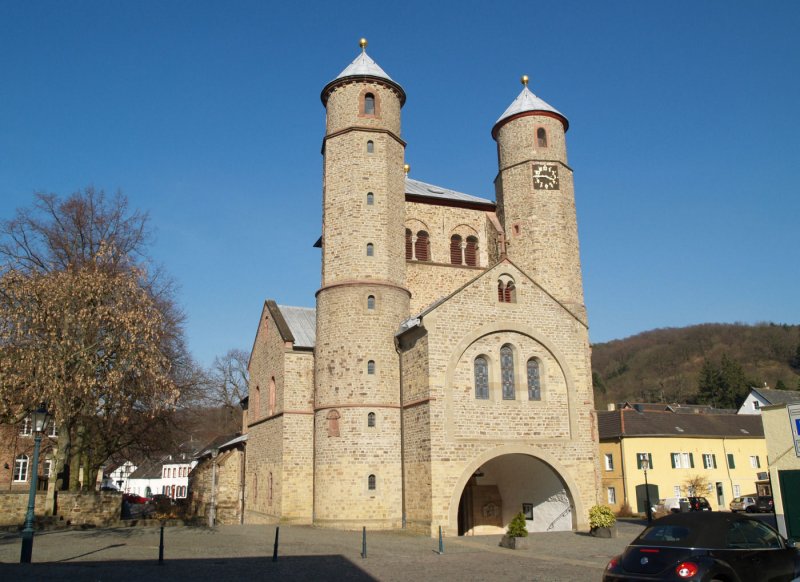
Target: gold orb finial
[[524, 80], [406, 168], [363, 44]]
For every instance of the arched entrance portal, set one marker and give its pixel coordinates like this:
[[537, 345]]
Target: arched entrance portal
[[507, 484]]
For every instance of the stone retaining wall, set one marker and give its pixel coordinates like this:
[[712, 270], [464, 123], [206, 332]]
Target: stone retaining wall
[[79, 508], [14, 506]]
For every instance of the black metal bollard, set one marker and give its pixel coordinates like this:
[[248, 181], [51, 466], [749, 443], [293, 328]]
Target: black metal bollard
[[161, 548], [275, 549], [441, 542], [364, 542]]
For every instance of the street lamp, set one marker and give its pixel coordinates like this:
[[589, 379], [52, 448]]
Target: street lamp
[[39, 419], [645, 462], [212, 514]]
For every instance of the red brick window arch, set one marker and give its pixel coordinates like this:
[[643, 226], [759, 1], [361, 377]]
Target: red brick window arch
[[422, 246], [333, 423], [506, 290], [471, 251], [541, 137], [456, 257], [409, 245]]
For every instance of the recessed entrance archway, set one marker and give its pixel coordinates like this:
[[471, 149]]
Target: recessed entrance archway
[[501, 483]]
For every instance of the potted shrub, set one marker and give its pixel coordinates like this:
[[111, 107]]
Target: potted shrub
[[517, 533], [602, 522]]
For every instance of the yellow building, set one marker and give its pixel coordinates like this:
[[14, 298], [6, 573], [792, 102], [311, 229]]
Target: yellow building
[[782, 432], [716, 456]]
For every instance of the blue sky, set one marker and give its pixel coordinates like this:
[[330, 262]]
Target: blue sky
[[683, 136]]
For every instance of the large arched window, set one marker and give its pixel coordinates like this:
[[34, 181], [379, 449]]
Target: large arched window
[[506, 290], [541, 137], [507, 371], [471, 251], [481, 378], [455, 250], [371, 482], [21, 468], [409, 245], [369, 104], [370, 250], [534, 380], [421, 246]]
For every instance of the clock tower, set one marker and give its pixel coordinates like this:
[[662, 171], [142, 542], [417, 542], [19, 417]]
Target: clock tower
[[535, 197]]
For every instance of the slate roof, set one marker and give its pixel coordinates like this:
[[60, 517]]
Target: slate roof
[[147, 470], [527, 101], [302, 322], [419, 188], [363, 65], [675, 407], [627, 423], [778, 396]]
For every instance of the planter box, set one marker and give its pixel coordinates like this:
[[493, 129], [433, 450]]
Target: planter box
[[604, 532], [515, 543]]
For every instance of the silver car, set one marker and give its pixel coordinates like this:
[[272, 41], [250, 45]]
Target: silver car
[[745, 503]]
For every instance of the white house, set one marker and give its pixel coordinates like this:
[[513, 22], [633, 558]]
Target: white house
[[760, 397]]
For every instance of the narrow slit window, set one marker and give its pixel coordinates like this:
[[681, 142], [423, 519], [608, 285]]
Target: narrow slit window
[[371, 482], [507, 371], [541, 137], [371, 367], [409, 245], [370, 250], [421, 246], [471, 251], [369, 104], [370, 199], [371, 420], [370, 147], [371, 302], [481, 378], [534, 380], [455, 250]]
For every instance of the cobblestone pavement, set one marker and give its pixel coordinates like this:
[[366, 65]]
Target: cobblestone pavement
[[305, 553]]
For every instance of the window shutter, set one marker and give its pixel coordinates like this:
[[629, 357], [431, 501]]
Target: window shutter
[[639, 461], [672, 459], [650, 460], [409, 247], [731, 463], [714, 460], [758, 463], [691, 460]]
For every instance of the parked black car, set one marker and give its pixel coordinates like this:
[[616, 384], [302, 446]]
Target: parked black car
[[699, 504], [764, 504], [716, 546]]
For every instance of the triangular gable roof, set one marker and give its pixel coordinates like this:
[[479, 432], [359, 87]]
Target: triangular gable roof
[[414, 321], [773, 396], [296, 325]]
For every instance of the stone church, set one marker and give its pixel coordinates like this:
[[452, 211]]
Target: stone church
[[444, 377]]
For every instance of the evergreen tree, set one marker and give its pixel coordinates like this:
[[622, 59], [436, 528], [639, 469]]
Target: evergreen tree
[[723, 385], [779, 385]]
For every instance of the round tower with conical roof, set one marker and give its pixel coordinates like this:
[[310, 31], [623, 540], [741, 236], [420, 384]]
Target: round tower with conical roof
[[535, 197], [361, 302]]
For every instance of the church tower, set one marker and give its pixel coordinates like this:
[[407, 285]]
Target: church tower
[[536, 199], [361, 302]]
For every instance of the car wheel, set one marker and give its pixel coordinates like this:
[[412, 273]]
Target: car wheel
[[749, 509]]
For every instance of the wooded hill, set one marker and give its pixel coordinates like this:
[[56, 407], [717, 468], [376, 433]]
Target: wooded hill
[[703, 364]]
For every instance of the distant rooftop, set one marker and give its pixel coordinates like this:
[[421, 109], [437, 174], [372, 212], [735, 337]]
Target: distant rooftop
[[630, 422], [302, 322], [774, 396], [527, 101], [419, 188]]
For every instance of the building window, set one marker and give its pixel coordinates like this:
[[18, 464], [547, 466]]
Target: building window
[[682, 460], [370, 250], [709, 461], [422, 246], [409, 245], [471, 251], [506, 290], [52, 431], [371, 482], [371, 367], [26, 429], [333, 423], [507, 371], [731, 462], [481, 378], [371, 302], [541, 137], [455, 250], [371, 420], [676, 490], [737, 490], [640, 457], [612, 495], [609, 462], [534, 382], [369, 104], [47, 468], [271, 396], [756, 405], [370, 199], [370, 145], [21, 468], [269, 492], [755, 462]]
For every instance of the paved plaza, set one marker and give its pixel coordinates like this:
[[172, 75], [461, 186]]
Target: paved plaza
[[305, 553]]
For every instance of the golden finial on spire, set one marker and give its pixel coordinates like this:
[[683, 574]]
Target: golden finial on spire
[[524, 80], [406, 168], [363, 44]]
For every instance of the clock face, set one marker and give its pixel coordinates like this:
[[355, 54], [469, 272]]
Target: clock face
[[545, 177]]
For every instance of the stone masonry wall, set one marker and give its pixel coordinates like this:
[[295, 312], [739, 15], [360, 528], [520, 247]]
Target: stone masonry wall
[[14, 507], [228, 492]]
